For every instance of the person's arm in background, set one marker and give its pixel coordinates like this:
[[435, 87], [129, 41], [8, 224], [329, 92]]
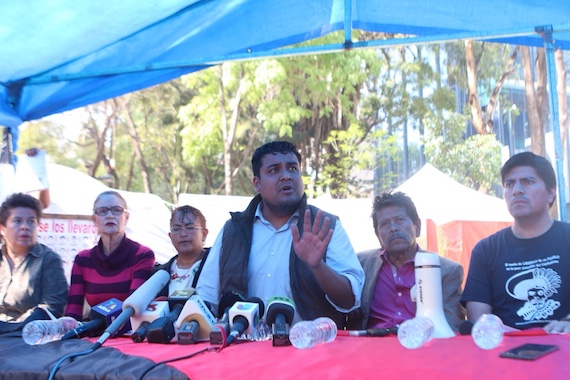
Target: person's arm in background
[[44, 198], [44, 195]]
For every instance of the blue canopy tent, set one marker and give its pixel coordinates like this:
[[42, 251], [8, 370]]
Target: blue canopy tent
[[64, 54]]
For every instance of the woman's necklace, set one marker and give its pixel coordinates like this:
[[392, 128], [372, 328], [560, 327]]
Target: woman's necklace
[[176, 276]]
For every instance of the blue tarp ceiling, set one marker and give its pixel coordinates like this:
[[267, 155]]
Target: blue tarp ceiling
[[56, 55]]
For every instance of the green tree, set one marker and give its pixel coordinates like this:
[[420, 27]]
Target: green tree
[[330, 113], [480, 69], [150, 120], [49, 136], [303, 99], [474, 161], [223, 120]]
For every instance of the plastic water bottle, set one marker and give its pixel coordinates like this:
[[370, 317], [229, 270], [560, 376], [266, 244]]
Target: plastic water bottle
[[415, 332], [487, 332], [307, 334], [45, 331]]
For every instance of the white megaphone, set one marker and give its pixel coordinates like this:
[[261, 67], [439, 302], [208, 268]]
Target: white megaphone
[[429, 301]]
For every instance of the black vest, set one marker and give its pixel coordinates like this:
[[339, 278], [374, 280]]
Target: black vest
[[308, 296]]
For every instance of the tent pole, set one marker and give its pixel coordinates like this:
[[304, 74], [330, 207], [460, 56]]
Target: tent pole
[[348, 23], [546, 33]]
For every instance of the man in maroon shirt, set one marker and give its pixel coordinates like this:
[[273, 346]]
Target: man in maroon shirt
[[390, 273]]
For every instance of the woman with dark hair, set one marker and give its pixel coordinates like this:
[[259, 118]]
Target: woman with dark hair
[[115, 267], [188, 233], [31, 274]]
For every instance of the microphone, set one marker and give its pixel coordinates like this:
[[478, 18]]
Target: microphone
[[180, 296], [221, 328], [154, 310], [136, 303], [141, 332], [101, 316], [280, 313], [244, 317], [162, 330], [465, 327], [195, 321]]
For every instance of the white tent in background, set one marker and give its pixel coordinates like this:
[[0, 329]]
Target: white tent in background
[[442, 199], [72, 196]]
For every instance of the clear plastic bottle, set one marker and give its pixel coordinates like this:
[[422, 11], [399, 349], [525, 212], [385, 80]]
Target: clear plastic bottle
[[307, 334], [415, 332], [45, 331], [487, 332]]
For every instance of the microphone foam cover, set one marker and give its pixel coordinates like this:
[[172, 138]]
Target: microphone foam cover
[[144, 295]]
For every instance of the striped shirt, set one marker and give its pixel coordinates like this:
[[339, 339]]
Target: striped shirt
[[96, 277]]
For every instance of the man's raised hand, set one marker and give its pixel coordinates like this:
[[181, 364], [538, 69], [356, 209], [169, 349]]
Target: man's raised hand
[[312, 246]]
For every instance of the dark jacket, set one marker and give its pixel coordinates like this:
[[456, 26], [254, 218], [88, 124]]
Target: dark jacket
[[308, 296]]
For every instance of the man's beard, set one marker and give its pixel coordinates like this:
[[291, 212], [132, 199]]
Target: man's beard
[[284, 208]]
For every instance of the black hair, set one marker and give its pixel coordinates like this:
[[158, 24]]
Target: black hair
[[185, 210], [19, 200], [540, 164], [273, 147], [394, 199]]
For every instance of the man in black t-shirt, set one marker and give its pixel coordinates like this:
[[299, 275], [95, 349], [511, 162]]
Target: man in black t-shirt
[[522, 273]]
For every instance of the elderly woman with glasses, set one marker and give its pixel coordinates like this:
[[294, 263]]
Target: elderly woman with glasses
[[188, 233], [115, 267], [31, 274]]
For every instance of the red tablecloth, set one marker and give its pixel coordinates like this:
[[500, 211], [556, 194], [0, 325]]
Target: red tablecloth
[[360, 358]]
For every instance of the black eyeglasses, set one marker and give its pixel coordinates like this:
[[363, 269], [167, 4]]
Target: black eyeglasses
[[115, 210], [176, 229]]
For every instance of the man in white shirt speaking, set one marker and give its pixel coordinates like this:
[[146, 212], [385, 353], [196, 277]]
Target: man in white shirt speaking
[[281, 246]]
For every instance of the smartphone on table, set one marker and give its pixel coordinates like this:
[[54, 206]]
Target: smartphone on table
[[529, 351]]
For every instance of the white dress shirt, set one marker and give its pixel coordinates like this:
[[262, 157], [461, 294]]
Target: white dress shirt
[[268, 267]]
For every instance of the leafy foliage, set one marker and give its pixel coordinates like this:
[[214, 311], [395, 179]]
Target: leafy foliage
[[474, 161], [345, 111]]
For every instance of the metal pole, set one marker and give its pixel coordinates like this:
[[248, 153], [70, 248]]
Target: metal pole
[[546, 33], [511, 134], [348, 22]]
